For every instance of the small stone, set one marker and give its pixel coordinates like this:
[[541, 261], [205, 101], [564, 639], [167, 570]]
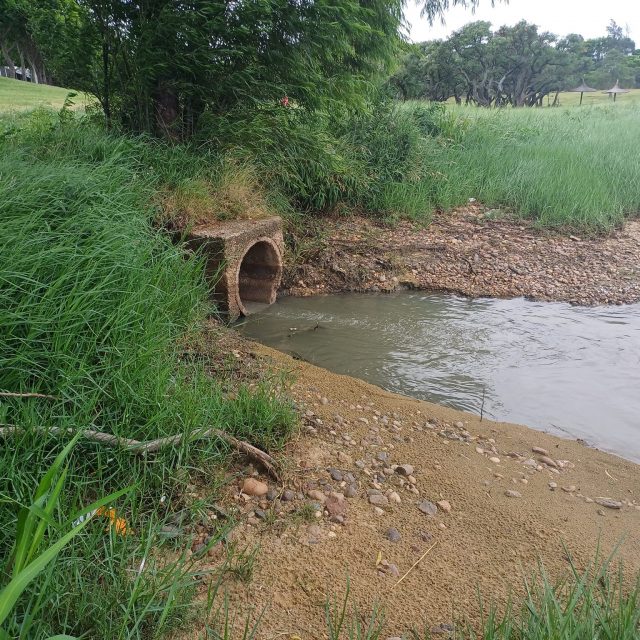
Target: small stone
[[336, 506], [378, 511], [351, 491], [272, 494], [260, 514], [379, 500], [609, 503], [404, 470], [444, 505], [287, 495], [393, 570], [510, 493], [459, 425], [548, 461], [530, 462], [494, 459], [553, 486], [479, 450], [253, 487], [587, 499], [335, 474], [383, 456], [393, 535], [540, 451], [428, 508], [317, 495], [600, 512], [570, 489], [394, 497], [332, 534], [345, 458], [324, 400]]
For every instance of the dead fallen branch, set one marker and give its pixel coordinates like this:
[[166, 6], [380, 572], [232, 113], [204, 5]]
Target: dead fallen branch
[[150, 446]]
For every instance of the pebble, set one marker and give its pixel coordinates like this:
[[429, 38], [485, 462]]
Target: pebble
[[336, 506], [393, 535], [530, 463], [609, 503], [324, 400], [335, 474], [383, 456], [378, 511], [317, 495], [459, 425], [394, 497], [288, 495], [479, 450], [272, 494], [428, 508], [495, 460], [540, 451], [444, 505], [404, 470], [553, 486], [345, 458], [351, 491], [379, 500], [253, 487], [570, 489], [548, 461], [510, 493]]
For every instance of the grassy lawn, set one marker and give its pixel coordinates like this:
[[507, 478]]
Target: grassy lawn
[[16, 95]]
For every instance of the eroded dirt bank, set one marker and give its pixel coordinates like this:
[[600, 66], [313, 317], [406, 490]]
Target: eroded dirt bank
[[470, 252], [490, 503]]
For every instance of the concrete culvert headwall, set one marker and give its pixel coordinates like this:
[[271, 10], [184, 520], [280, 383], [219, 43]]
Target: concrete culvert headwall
[[244, 262]]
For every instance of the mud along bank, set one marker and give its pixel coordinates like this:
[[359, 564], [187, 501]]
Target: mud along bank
[[375, 480]]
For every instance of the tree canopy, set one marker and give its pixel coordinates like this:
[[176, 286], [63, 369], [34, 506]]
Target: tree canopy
[[517, 65]]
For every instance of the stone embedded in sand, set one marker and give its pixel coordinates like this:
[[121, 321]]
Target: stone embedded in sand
[[530, 462], [404, 470], [351, 491], [379, 500], [394, 497], [494, 459], [540, 450], [393, 535], [317, 495], [336, 506], [553, 486], [510, 493], [253, 487], [335, 474], [444, 505], [570, 489], [548, 461], [610, 503], [428, 508], [479, 450], [288, 495]]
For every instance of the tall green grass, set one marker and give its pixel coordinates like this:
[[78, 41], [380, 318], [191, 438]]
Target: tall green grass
[[577, 167], [95, 305]]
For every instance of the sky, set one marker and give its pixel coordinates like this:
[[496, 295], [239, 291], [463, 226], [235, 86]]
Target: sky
[[587, 17]]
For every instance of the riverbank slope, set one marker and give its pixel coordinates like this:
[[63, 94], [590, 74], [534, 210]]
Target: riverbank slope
[[484, 500], [474, 251]]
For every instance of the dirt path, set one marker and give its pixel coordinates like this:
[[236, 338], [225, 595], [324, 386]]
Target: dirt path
[[469, 252], [346, 509]]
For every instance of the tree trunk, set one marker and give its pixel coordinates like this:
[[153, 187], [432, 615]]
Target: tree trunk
[[8, 59]]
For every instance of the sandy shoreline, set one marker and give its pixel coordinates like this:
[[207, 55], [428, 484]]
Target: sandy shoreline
[[468, 251], [370, 521]]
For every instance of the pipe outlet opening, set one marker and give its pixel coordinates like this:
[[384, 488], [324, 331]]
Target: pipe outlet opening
[[259, 276]]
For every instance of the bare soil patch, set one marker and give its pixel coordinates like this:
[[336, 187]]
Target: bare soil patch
[[469, 252]]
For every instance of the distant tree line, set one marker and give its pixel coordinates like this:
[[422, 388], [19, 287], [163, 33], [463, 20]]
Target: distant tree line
[[518, 65]]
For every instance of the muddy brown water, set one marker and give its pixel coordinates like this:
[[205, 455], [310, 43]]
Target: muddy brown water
[[573, 371]]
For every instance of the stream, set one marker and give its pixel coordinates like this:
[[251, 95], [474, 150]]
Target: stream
[[572, 371]]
